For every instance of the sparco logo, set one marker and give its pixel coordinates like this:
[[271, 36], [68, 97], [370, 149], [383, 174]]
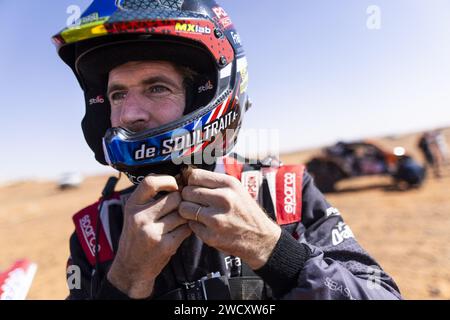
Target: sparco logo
[[290, 193], [96, 100], [88, 233]]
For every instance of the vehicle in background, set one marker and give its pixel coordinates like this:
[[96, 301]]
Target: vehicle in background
[[70, 180], [363, 158]]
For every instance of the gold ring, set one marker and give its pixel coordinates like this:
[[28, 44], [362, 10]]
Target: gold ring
[[197, 213]]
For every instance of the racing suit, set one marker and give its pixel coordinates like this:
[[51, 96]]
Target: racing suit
[[316, 257]]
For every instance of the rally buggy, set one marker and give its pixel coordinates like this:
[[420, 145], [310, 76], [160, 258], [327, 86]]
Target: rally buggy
[[362, 158]]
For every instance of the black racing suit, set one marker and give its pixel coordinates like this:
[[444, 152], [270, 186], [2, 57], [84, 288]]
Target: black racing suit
[[316, 258]]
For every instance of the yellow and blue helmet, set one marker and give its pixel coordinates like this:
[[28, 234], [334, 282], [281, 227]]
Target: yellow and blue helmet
[[197, 34]]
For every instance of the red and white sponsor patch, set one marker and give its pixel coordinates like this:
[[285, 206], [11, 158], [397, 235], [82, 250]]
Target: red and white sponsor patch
[[288, 206], [222, 17], [16, 281], [86, 225], [252, 180], [285, 185]]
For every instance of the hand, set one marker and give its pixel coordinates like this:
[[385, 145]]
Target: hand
[[230, 219], [152, 232]]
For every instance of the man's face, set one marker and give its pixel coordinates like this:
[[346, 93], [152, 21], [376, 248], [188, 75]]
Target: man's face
[[145, 95]]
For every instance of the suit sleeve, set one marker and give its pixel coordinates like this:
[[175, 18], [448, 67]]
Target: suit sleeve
[[82, 281], [324, 260]]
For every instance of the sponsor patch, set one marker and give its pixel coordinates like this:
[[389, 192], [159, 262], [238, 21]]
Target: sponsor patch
[[341, 233], [236, 38], [192, 28], [338, 287], [222, 18], [96, 100], [252, 180], [86, 225], [289, 181], [242, 66], [332, 212]]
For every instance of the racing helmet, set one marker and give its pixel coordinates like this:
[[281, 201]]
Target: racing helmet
[[196, 34]]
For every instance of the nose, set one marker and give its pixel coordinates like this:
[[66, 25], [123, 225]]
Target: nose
[[134, 115]]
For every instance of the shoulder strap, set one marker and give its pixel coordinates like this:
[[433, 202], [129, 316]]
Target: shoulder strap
[[277, 188], [86, 222], [233, 167], [286, 186]]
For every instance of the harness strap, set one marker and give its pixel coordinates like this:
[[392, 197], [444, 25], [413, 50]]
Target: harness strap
[[278, 189], [86, 223]]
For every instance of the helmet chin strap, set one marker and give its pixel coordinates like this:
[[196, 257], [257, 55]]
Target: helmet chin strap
[[167, 168]]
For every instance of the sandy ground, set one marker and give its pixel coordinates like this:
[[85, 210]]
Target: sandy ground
[[406, 231]]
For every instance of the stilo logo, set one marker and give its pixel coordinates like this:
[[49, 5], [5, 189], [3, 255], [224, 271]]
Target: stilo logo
[[96, 100], [208, 86], [290, 195]]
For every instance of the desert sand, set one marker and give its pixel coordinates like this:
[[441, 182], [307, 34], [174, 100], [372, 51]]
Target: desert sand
[[406, 231]]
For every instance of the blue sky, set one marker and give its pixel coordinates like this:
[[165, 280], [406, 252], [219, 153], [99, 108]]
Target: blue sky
[[317, 74]]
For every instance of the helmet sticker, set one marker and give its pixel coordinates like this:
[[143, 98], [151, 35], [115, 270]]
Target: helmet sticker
[[222, 18], [100, 10], [191, 28], [207, 87], [242, 66], [236, 38], [97, 100]]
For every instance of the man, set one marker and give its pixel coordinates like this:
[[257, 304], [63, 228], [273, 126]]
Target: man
[[429, 146], [165, 85]]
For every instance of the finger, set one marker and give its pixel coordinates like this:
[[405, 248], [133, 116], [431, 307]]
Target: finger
[[176, 237], [170, 222], [188, 210], [208, 179], [163, 206], [202, 196], [151, 186], [202, 231]]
